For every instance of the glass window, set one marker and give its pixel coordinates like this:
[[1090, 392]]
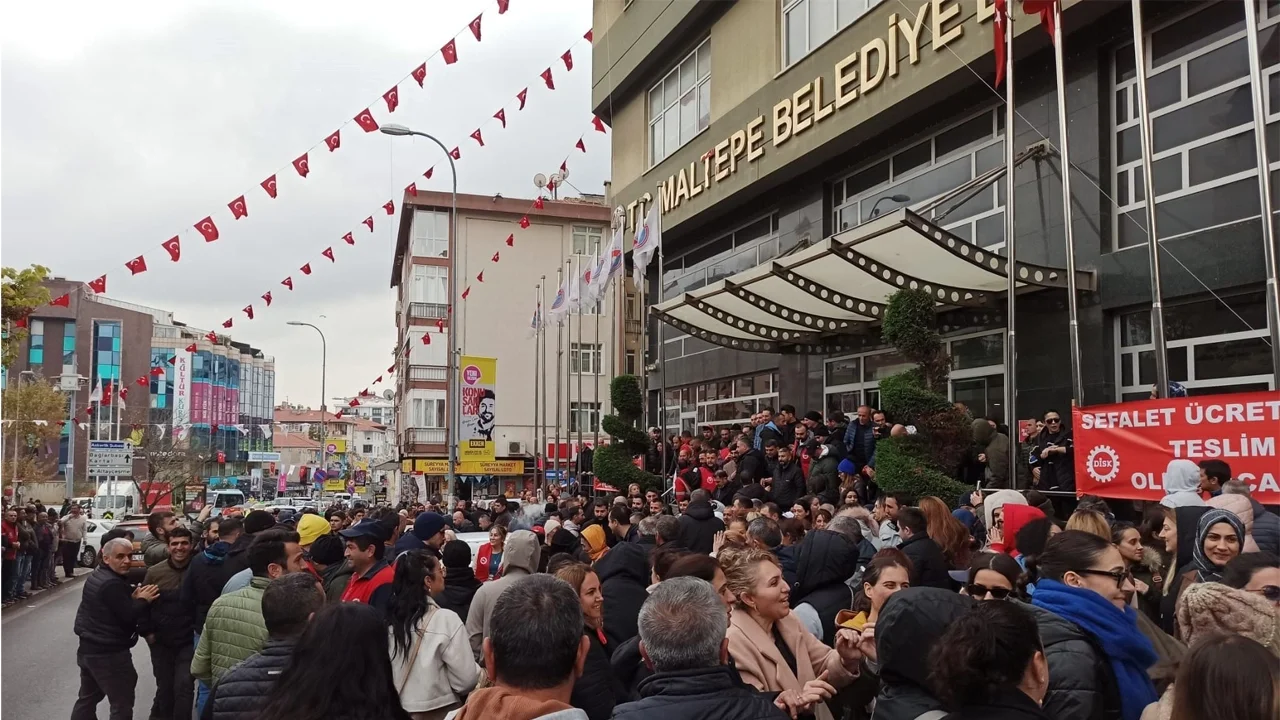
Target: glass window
[[586, 239], [35, 336], [882, 365], [430, 233], [844, 371], [977, 352], [680, 105], [983, 395]]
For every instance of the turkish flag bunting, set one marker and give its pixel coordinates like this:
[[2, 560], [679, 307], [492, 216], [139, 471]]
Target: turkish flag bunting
[[270, 186], [466, 293], [450, 52], [426, 338], [349, 238], [475, 135], [368, 222], [567, 57], [546, 78], [391, 370], [390, 207], [266, 297], [142, 381], [208, 229], [365, 392], [248, 310], [328, 252], [22, 322], [524, 222], [475, 26], [354, 402], [494, 258], [191, 347], [227, 323], [501, 115], [580, 145], [302, 165], [564, 166], [337, 415], [502, 6], [287, 282], [366, 122], [480, 277], [589, 36], [430, 171], [306, 270], [997, 31], [212, 336], [440, 324], [1043, 8], [99, 286], [238, 208], [334, 141], [123, 392], [511, 240], [420, 74], [456, 153], [137, 265], [174, 247], [375, 382], [412, 189], [598, 123], [157, 371], [538, 204], [392, 97], [551, 184], [522, 96]]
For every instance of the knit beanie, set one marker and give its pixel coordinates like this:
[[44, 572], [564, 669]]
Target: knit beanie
[[257, 521], [328, 549], [456, 554], [1206, 608]]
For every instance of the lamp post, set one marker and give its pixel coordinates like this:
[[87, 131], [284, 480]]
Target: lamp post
[[324, 353], [451, 426], [875, 209]]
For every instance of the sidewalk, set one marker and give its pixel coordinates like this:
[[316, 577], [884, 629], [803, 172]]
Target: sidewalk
[[32, 594]]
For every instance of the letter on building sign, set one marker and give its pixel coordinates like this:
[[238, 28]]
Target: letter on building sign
[[870, 79], [781, 121], [944, 10]]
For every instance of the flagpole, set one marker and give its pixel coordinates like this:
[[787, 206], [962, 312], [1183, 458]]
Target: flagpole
[[597, 360], [537, 309], [1010, 243], [1264, 184], [577, 451], [542, 352], [662, 346], [559, 368], [1148, 188], [1073, 315]]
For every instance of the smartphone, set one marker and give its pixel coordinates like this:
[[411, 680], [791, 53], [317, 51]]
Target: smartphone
[[851, 620]]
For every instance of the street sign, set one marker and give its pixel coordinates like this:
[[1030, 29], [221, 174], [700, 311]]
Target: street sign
[[554, 474], [110, 457], [264, 457]]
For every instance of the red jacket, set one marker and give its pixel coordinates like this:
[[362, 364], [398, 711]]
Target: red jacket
[[483, 556], [10, 541], [371, 588]]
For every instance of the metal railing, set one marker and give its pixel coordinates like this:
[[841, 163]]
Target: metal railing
[[430, 373], [428, 310], [424, 436], [633, 327]]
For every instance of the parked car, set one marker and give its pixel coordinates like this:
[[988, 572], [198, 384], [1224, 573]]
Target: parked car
[[136, 525], [93, 531]]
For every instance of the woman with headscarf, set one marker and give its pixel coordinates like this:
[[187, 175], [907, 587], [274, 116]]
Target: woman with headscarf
[[1219, 536], [1240, 506], [595, 542], [1182, 484]]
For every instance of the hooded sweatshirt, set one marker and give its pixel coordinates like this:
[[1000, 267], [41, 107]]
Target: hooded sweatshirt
[[826, 561], [996, 446], [1000, 498], [1015, 518], [911, 622], [519, 558], [503, 703], [1182, 485]]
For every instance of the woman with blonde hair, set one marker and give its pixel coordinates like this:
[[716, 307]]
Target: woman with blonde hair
[[1090, 521]]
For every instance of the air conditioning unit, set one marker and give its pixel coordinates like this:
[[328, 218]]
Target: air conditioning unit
[[515, 448]]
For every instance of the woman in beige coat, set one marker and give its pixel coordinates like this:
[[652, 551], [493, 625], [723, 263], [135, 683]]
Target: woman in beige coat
[[770, 646]]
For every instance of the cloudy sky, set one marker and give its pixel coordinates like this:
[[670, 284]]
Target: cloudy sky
[[122, 124]]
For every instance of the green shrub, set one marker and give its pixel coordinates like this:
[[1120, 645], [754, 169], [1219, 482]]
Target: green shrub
[[612, 463], [904, 464]]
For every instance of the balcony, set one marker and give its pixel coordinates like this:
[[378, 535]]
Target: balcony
[[428, 373], [422, 440], [632, 327], [427, 311]]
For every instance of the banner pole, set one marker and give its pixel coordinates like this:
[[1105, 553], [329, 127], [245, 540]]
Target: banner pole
[[537, 322], [1073, 314], [559, 366], [1264, 184], [1010, 244]]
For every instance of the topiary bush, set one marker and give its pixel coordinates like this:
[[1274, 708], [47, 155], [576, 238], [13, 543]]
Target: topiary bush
[[613, 462]]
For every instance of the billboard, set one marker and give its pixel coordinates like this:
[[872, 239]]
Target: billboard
[[470, 467], [479, 387], [181, 388]]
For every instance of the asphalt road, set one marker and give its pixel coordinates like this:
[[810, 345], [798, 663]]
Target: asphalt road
[[38, 673]]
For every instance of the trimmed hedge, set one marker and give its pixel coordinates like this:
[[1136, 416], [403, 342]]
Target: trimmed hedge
[[612, 463]]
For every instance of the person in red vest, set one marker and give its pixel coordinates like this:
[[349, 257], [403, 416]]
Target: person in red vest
[[371, 575]]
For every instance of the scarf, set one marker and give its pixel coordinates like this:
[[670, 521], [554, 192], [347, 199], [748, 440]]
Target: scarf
[[1128, 651], [1206, 570]]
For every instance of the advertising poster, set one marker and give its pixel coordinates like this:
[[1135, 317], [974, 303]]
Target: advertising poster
[[479, 408], [1122, 450], [181, 388]]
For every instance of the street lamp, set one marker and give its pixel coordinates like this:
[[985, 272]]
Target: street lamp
[[324, 353], [452, 385], [875, 209]]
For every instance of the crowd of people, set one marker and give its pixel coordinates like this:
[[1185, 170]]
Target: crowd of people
[[36, 541], [758, 591]]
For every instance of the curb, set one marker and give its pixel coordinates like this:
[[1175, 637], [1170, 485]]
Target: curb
[[39, 595]]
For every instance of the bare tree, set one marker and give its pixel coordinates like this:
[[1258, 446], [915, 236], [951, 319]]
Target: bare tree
[[164, 461]]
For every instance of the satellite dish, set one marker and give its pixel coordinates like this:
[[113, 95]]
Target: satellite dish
[[388, 394], [539, 181], [564, 173], [557, 178]]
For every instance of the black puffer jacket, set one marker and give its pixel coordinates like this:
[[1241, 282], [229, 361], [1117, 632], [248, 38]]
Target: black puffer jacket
[[1081, 686], [624, 582], [209, 571], [107, 619], [929, 564], [825, 562], [724, 495], [910, 623], [630, 669], [716, 693], [460, 586], [824, 477], [1266, 528], [788, 484], [752, 467], [597, 690], [241, 693], [698, 527]]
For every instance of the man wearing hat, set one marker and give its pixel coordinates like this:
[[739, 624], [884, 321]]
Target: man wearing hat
[[427, 534], [370, 574], [310, 527]]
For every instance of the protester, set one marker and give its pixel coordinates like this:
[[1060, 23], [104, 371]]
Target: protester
[[624, 581], [1090, 521], [993, 452], [1206, 690], [1257, 573], [699, 524], [73, 527], [1218, 538], [328, 557], [929, 566], [893, 504], [910, 626], [620, 524], [211, 569], [989, 665], [1182, 484], [155, 542], [168, 625], [1179, 533], [1144, 566], [288, 602], [597, 689], [948, 532], [992, 576], [1266, 524], [428, 532], [595, 542], [824, 563], [107, 625], [489, 556], [1239, 506], [520, 557], [371, 576], [460, 583]]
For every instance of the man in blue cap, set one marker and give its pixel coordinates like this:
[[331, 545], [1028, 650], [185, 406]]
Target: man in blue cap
[[427, 534], [371, 575]]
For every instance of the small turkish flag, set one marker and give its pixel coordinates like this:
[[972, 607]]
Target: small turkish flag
[[174, 247], [142, 381], [99, 286], [580, 145], [334, 141], [392, 97], [598, 123], [375, 382], [328, 252], [567, 57], [420, 74], [475, 135], [302, 165], [475, 26], [238, 208], [430, 171], [123, 392], [157, 371], [546, 78], [501, 115], [589, 36], [494, 258], [22, 321], [208, 229], [337, 415], [456, 154], [450, 52], [306, 270], [212, 336], [538, 204], [502, 6], [248, 310], [511, 240], [412, 189], [365, 393], [390, 207], [524, 222], [354, 402], [137, 265], [466, 293], [349, 238], [440, 324], [391, 370], [266, 297], [365, 120], [426, 338], [564, 166], [287, 282], [480, 277], [270, 186], [522, 96], [191, 347], [369, 222], [227, 323]]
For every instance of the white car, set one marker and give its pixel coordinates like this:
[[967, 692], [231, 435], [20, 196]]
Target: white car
[[93, 532], [474, 540]]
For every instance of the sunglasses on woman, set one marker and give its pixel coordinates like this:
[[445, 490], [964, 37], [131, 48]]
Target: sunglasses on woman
[[1270, 592], [1118, 575], [980, 591]]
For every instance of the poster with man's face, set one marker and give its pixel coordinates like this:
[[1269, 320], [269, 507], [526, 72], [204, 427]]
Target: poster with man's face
[[479, 409]]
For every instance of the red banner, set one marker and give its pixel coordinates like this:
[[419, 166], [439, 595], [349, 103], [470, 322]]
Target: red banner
[[1122, 450]]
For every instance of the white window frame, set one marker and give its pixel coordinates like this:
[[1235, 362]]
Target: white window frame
[[427, 278], [430, 234], [699, 82], [427, 411], [585, 358], [587, 240], [580, 412], [838, 23]]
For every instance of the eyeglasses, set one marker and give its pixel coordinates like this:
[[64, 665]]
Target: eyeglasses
[[1118, 575], [980, 591], [1270, 592], [1052, 421]]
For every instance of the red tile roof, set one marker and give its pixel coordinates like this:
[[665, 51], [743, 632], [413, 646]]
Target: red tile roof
[[293, 441]]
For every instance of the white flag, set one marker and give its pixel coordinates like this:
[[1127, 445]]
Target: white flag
[[95, 395], [575, 289], [536, 323], [648, 242], [266, 433], [599, 277], [613, 259], [560, 305]]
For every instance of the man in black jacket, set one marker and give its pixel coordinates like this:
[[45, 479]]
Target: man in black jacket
[[211, 569], [682, 634], [107, 624], [788, 479], [752, 464], [699, 524], [928, 562], [287, 605], [825, 562], [168, 626], [624, 582]]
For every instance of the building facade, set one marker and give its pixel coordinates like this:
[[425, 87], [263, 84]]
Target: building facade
[[766, 129], [495, 321], [352, 450]]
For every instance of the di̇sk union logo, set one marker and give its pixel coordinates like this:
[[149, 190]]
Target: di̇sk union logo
[[1103, 463]]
